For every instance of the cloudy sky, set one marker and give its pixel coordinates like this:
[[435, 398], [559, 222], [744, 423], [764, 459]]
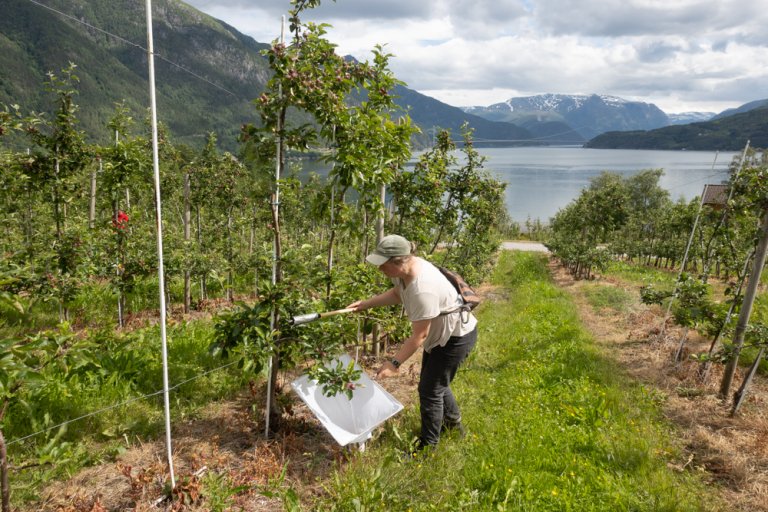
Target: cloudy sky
[[682, 55]]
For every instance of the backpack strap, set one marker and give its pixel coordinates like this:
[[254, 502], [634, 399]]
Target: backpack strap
[[464, 310]]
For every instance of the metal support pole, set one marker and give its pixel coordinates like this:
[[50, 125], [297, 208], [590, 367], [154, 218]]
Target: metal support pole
[[159, 220]]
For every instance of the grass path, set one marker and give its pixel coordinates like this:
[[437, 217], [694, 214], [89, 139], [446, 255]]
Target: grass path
[[554, 425]]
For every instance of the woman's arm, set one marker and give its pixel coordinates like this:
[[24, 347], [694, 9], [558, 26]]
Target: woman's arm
[[420, 330], [388, 298]]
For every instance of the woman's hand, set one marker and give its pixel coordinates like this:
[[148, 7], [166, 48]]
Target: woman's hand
[[387, 370], [355, 306]]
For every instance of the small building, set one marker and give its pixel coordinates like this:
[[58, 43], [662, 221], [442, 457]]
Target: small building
[[715, 196]]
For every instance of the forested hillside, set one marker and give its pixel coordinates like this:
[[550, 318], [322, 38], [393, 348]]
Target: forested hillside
[[207, 73], [725, 134], [230, 71]]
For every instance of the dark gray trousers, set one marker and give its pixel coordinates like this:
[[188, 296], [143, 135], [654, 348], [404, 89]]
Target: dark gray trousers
[[438, 368]]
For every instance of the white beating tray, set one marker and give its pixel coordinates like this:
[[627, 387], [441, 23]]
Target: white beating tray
[[348, 421]]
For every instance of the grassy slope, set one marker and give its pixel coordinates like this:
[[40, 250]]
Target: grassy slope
[[553, 425]]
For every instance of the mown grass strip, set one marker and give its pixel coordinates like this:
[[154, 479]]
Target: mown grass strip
[[553, 425]]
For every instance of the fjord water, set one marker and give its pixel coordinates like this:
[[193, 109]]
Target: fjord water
[[542, 180]]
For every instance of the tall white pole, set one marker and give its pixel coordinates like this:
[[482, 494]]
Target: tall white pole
[[276, 206], [159, 219]]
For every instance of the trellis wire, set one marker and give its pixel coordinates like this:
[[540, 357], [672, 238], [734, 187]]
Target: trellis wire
[[121, 404], [131, 43], [356, 346]]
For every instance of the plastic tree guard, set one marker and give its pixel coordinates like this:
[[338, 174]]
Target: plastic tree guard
[[348, 420]]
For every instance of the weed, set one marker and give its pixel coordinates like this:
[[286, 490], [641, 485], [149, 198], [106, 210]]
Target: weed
[[218, 490], [602, 297]]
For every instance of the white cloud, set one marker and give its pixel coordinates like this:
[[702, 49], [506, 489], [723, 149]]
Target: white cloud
[[680, 54]]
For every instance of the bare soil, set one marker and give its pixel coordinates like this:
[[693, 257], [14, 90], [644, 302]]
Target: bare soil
[[226, 445]]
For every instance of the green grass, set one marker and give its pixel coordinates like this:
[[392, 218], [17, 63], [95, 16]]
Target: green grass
[[554, 426], [128, 366], [642, 274], [602, 297]]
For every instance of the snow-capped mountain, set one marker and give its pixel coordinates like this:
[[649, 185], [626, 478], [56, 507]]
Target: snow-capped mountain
[[561, 103], [589, 115], [690, 117]]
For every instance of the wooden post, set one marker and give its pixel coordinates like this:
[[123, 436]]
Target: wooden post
[[746, 307]]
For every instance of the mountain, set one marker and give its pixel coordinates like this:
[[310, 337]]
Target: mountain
[[547, 127], [744, 108], [588, 115], [690, 117], [430, 113], [35, 40], [726, 134], [223, 70]]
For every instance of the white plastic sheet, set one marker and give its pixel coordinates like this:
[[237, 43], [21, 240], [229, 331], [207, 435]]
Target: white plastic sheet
[[348, 421]]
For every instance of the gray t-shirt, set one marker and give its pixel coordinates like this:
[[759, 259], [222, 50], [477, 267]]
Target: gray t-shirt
[[426, 297]]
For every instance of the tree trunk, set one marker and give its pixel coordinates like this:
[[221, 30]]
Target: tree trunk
[[380, 222], [57, 199], [436, 243], [203, 287], [272, 410], [187, 236], [28, 229], [230, 259], [364, 247], [92, 205], [331, 239], [6, 490], [63, 310]]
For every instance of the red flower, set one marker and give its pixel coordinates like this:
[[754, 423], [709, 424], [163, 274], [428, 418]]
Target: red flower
[[120, 221]]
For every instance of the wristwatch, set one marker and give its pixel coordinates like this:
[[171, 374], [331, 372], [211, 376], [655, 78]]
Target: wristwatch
[[395, 363]]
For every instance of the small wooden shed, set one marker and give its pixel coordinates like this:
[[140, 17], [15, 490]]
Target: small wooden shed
[[715, 196]]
